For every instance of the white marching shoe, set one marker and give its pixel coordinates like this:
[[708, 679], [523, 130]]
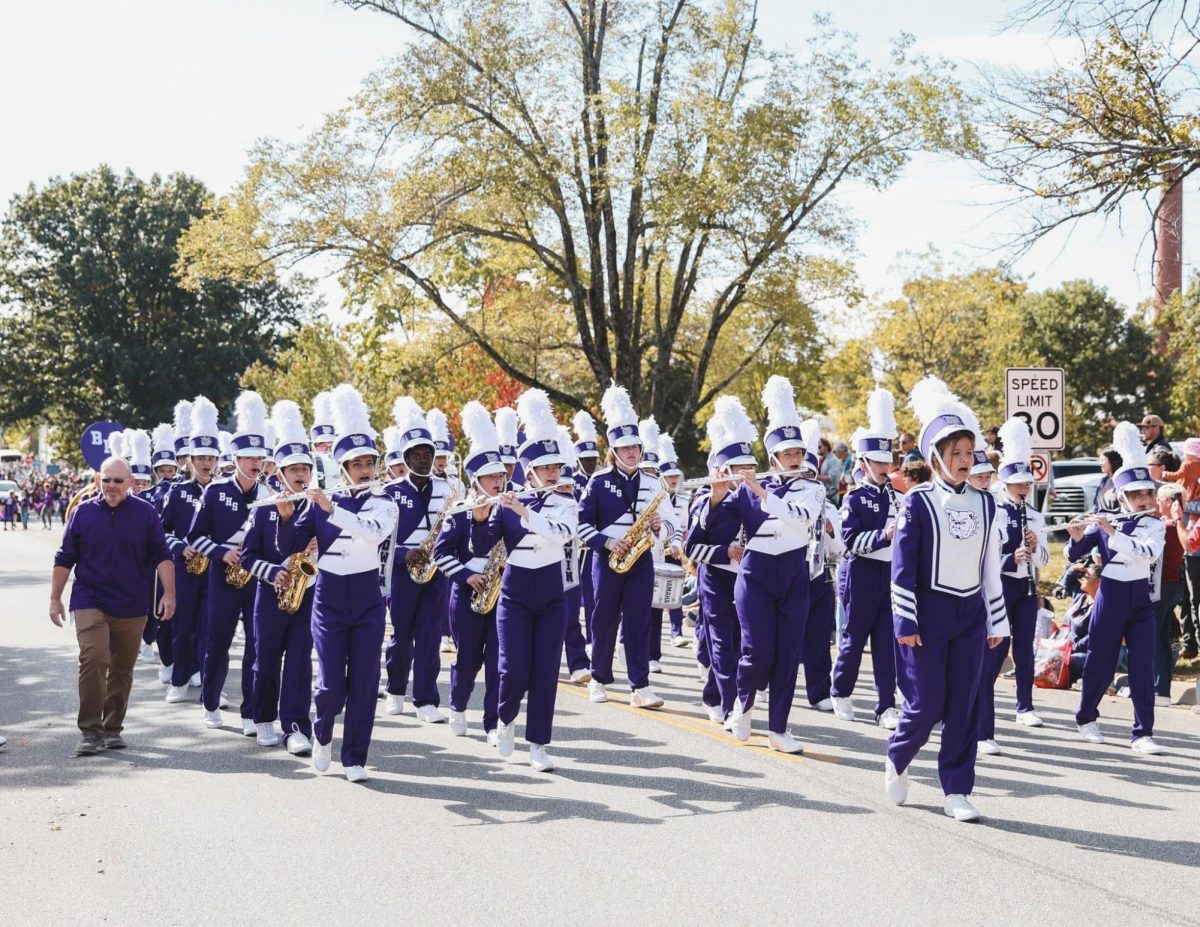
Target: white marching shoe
[[1090, 732], [222, 701], [506, 734], [493, 737], [678, 640], [715, 713], [394, 704], [784, 743], [177, 694], [194, 682], [448, 644], [1163, 701], [655, 666], [458, 723], [1146, 745], [322, 756], [298, 744], [430, 714], [1029, 718], [895, 784], [213, 719], [960, 808], [843, 708], [989, 748], [356, 774], [826, 704], [164, 675], [889, 719], [265, 734], [539, 759], [147, 654], [249, 728], [741, 722], [596, 692], [581, 677], [701, 671], [645, 698]]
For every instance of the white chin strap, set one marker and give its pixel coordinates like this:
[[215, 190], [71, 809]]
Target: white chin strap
[[240, 472]]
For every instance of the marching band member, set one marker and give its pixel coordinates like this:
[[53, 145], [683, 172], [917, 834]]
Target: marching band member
[[182, 426], [983, 472], [394, 458], [579, 664], [587, 457], [325, 469], [137, 447], [269, 475], [675, 517], [506, 428], [614, 500], [946, 601], [462, 550], [347, 611], [218, 533], [825, 548], [716, 544], [443, 452], [417, 607], [868, 526], [648, 429], [283, 640], [226, 465], [1022, 531], [531, 618], [1130, 548], [771, 591], [189, 626], [163, 463]]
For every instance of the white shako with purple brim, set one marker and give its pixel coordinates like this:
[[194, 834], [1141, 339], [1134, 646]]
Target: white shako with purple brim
[[269, 438], [507, 425], [164, 446], [483, 458], [322, 426], [541, 546], [1134, 473], [182, 426], [225, 440], [392, 441], [138, 444], [1016, 455], [783, 419], [413, 425], [566, 447], [810, 434], [668, 460], [541, 431], [731, 436], [205, 437], [443, 441], [585, 435], [675, 507], [354, 436], [877, 441], [620, 421], [980, 463], [250, 437], [648, 429], [291, 439]]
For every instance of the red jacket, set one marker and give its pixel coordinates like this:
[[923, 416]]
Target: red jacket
[[1189, 476]]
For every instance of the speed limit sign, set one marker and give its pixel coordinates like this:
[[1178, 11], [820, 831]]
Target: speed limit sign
[[1037, 395]]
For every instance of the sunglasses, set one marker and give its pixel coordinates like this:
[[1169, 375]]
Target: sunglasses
[[112, 479]]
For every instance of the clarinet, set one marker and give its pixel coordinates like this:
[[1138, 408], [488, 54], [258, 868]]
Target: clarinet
[[1023, 527]]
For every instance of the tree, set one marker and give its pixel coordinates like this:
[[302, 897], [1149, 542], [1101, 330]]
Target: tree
[[93, 322], [317, 359], [647, 167], [1103, 351], [1180, 320]]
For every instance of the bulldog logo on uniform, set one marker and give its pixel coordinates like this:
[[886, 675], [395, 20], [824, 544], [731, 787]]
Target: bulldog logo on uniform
[[255, 441], [358, 440], [963, 525], [744, 449]]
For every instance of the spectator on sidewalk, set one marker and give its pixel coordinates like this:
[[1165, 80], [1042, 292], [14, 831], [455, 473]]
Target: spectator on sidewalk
[[1152, 433]]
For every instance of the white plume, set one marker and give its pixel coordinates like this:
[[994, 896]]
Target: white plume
[[225, 441], [810, 434], [116, 444], [250, 412], [407, 414], [648, 429], [1127, 441], [164, 435], [269, 435], [322, 406], [289, 426], [183, 419], [350, 416], [137, 446], [506, 425], [616, 407], [479, 428], [585, 426], [392, 440], [204, 417], [536, 414], [1016, 442], [666, 449], [730, 423], [931, 398], [859, 434], [438, 426], [780, 400], [565, 448], [881, 413]]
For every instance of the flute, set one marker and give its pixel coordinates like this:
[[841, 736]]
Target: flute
[[710, 480], [303, 494], [478, 502]]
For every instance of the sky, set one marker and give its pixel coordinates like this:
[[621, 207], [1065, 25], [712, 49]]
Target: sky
[[189, 85]]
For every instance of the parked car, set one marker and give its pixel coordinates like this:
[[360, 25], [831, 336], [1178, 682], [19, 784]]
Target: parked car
[[7, 486], [1072, 489]]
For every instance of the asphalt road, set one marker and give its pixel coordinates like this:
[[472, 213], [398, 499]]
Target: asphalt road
[[651, 817]]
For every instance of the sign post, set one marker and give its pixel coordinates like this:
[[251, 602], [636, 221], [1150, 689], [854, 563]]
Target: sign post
[[1038, 395]]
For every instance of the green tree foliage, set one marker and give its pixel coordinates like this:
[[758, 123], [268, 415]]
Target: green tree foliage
[[93, 322], [648, 170], [1179, 326], [317, 359]]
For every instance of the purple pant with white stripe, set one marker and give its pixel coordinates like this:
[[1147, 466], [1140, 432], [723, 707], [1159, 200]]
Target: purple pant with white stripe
[[226, 607], [283, 663], [1022, 622], [941, 684], [415, 644], [574, 644], [622, 600], [478, 648], [722, 633], [818, 635], [531, 622], [868, 618], [1123, 612]]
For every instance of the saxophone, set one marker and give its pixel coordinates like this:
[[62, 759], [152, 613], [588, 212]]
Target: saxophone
[[484, 601], [196, 564], [639, 536], [237, 575], [422, 570], [300, 569]]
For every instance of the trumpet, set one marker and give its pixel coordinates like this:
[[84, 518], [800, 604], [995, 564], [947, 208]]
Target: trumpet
[[729, 478], [475, 502], [303, 494]]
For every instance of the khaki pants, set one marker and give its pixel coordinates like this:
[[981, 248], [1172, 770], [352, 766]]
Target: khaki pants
[[108, 648]]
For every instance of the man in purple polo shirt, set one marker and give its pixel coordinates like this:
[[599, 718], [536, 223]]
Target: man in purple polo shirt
[[115, 543]]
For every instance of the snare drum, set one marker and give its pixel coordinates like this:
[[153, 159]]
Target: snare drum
[[668, 586]]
